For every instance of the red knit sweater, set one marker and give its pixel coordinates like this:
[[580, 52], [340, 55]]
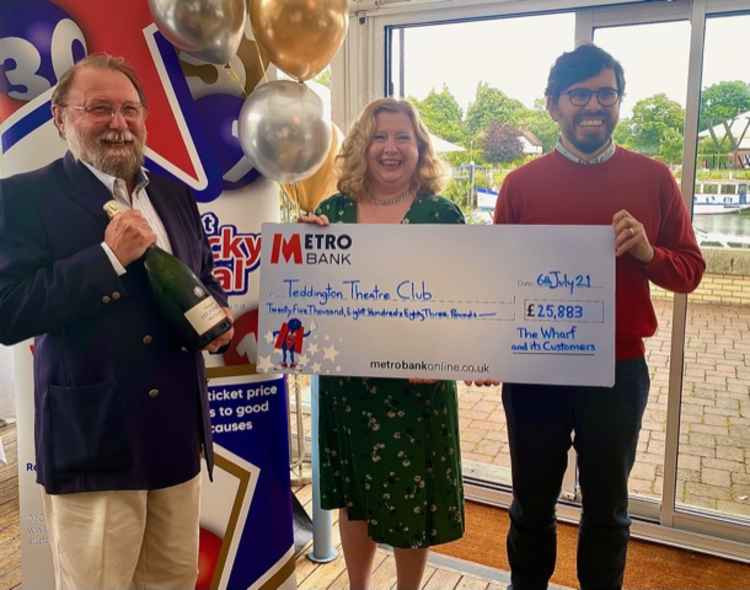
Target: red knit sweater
[[555, 190]]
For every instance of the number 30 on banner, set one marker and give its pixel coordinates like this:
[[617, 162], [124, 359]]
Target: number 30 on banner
[[36, 48]]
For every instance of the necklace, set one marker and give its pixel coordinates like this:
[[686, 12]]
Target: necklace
[[391, 201]]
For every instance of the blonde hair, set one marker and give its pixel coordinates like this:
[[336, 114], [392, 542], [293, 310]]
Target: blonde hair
[[429, 175]]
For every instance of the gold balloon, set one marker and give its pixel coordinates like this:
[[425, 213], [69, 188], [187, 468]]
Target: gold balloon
[[255, 63], [300, 36], [312, 190]]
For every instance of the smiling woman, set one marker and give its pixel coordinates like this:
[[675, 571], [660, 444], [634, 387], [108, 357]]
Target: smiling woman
[[391, 158], [398, 481]]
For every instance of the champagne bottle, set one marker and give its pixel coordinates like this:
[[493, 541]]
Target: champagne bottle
[[181, 296]]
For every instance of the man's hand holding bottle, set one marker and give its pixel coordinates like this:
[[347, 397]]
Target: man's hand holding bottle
[[129, 235]]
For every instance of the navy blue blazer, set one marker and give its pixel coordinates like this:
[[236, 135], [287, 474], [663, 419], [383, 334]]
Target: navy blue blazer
[[120, 404]]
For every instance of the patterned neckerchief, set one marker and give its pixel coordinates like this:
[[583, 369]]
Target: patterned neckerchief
[[603, 157]]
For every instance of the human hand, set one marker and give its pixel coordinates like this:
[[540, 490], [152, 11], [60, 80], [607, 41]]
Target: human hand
[[128, 235], [321, 220], [482, 383], [221, 341], [630, 237]]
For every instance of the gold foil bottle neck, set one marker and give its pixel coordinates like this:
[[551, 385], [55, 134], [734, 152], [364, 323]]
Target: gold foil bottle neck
[[112, 208]]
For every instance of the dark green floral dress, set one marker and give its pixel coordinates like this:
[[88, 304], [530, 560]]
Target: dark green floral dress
[[389, 450]]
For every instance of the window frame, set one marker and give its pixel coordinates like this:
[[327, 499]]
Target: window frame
[[359, 74]]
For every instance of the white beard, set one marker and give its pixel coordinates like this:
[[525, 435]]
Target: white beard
[[93, 152]]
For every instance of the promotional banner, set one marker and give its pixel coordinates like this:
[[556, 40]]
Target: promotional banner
[[343, 300], [246, 519]]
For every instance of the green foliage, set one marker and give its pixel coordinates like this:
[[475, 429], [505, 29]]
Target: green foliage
[[442, 115], [501, 144], [324, 78], [722, 102], [707, 146], [458, 191], [622, 134], [654, 129], [541, 125], [460, 158], [491, 104], [671, 146]]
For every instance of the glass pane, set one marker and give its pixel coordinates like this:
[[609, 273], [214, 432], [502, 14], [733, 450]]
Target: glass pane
[[459, 104], [651, 122], [714, 451]]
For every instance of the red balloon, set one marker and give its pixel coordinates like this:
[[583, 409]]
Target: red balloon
[[209, 547]]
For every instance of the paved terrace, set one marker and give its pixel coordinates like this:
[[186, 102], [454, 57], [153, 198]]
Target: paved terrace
[[714, 457]]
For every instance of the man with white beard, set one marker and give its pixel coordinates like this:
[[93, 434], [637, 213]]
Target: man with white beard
[[121, 409]]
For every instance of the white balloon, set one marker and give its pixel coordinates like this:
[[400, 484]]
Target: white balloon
[[210, 30], [283, 130]]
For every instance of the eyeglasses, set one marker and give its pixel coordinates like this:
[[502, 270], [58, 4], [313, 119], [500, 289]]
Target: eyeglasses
[[102, 111], [580, 97]]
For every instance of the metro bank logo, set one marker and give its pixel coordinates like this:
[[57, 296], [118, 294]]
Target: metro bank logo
[[235, 254], [311, 249]]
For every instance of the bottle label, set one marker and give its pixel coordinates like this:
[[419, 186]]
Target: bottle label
[[205, 315]]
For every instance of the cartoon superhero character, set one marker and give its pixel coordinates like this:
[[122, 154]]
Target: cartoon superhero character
[[289, 339]]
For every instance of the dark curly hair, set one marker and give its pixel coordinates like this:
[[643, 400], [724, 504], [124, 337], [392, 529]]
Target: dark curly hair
[[584, 62]]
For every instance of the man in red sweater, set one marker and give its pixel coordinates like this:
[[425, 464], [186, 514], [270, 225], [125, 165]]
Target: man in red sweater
[[589, 180]]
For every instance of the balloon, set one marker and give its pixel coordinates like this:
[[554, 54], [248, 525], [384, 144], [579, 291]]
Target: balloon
[[246, 70], [217, 114], [283, 131], [309, 192], [300, 36], [210, 30], [209, 548]]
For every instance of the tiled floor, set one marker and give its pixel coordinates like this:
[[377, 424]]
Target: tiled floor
[[442, 573]]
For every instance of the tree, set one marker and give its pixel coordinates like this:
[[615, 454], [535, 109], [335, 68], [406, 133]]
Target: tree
[[651, 126], [491, 104], [722, 102], [538, 121], [622, 134], [442, 115], [671, 146], [500, 143]]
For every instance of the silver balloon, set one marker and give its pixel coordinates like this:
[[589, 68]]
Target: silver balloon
[[210, 30], [283, 130]]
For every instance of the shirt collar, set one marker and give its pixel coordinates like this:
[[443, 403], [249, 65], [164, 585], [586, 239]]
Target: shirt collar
[[109, 181], [602, 157]]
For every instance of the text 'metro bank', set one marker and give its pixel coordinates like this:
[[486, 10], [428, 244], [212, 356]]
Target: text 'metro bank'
[[312, 249]]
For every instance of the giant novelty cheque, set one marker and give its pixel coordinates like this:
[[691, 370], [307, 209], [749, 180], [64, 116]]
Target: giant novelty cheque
[[528, 304]]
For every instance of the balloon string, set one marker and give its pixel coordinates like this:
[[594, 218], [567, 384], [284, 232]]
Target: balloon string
[[236, 78], [289, 190], [260, 61]]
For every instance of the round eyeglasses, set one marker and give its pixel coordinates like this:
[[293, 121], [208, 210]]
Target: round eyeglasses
[[580, 97]]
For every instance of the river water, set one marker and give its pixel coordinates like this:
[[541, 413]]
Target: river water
[[732, 224]]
